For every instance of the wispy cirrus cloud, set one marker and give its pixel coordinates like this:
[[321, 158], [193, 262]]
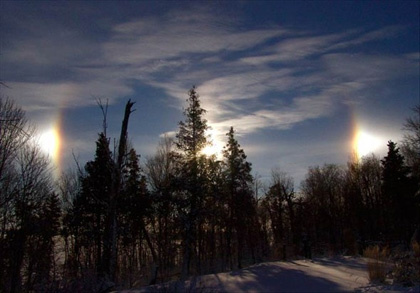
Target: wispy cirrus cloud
[[368, 67], [384, 33], [339, 79], [181, 33], [233, 67], [301, 109], [274, 83], [43, 96]]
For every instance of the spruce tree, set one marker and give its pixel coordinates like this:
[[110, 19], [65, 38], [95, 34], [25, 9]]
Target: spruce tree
[[191, 139], [239, 193], [90, 206], [398, 191]]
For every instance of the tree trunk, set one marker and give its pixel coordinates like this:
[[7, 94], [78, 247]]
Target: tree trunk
[[187, 250], [17, 260], [155, 266], [110, 252]]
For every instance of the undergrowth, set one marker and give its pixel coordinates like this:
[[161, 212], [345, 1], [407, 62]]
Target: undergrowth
[[377, 262]]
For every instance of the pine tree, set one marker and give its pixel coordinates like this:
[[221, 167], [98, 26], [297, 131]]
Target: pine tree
[[134, 207], [240, 200], [94, 218], [90, 206], [191, 139], [135, 202], [398, 191]]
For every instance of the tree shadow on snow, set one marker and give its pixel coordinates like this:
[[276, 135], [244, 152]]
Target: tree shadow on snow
[[270, 277], [354, 263]]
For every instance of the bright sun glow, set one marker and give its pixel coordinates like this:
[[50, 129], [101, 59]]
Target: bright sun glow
[[365, 143], [216, 145], [49, 141]]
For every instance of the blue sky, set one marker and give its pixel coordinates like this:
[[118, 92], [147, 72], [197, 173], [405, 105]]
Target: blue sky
[[294, 78]]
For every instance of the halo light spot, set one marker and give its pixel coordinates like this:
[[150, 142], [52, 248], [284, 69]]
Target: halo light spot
[[49, 141], [365, 143], [216, 145]]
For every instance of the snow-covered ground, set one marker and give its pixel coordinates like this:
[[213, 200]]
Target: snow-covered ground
[[320, 275]]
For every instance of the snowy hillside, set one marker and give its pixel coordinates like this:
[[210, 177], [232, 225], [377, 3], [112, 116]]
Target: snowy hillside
[[320, 275]]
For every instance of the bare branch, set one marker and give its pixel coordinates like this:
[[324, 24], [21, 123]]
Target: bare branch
[[79, 169], [104, 109]]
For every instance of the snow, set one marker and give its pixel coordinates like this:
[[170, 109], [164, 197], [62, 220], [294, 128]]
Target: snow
[[319, 275]]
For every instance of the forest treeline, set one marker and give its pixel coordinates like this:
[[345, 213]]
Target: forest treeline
[[113, 222]]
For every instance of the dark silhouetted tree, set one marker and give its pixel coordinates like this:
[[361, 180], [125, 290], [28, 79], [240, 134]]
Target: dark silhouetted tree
[[41, 256], [134, 207], [399, 195], [31, 194], [161, 174], [410, 147], [87, 218], [25, 190], [279, 203], [238, 182], [190, 140], [323, 192], [363, 205]]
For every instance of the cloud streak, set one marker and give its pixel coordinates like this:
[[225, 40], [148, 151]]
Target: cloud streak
[[306, 75]]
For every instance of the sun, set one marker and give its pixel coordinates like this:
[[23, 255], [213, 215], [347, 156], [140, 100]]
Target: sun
[[365, 143], [49, 142], [215, 146], [212, 149]]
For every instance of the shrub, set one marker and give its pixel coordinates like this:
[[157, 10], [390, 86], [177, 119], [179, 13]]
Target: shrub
[[196, 285], [406, 269], [377, 266]]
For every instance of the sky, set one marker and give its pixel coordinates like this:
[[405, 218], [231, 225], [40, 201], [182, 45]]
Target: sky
[[303, 83]]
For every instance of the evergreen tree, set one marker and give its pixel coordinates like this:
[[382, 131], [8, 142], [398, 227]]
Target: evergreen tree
[[93, 219], [87, 218], [214, 218], [191, 139], [109, 260], [135, 201], [238, 180], [398, 191], [134, 207]]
